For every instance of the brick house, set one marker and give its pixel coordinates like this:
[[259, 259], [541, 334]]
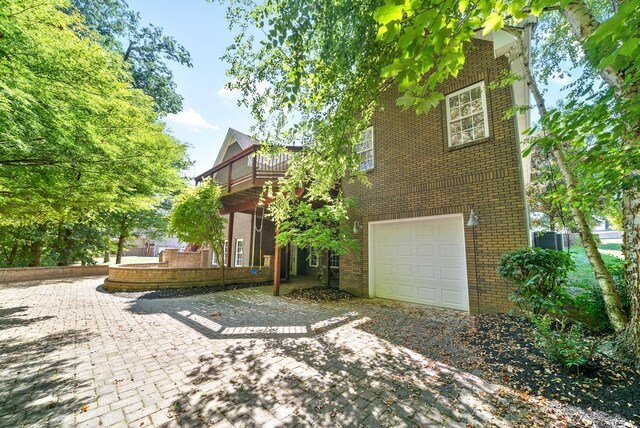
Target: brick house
[[427, 172]]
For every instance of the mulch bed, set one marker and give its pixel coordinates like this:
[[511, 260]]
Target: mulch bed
[[319, 294], [606, 393]]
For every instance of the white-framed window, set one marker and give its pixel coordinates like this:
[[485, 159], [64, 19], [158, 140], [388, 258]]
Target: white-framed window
[[467, 115], [334, 261], [313, 258], [225, 254], [365, 149], [239, 252]]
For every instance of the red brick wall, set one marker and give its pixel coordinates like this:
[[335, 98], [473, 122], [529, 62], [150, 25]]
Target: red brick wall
[[417, 175], [155, 276], [37, 273]]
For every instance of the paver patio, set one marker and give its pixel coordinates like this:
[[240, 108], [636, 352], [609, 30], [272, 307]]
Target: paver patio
[[73, 355]]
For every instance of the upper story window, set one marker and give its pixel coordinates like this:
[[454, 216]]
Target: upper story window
[[365, 149], [467, 115]]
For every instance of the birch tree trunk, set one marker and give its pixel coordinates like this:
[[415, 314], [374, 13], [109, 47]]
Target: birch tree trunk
[[583, 24], [629, 340], [613, 306]]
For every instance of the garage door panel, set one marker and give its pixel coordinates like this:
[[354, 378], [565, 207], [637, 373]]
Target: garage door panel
[[405, 271], [452, 297], [451, 274], [421, 261], [426, 272], [425, 250], [449, 250], [428, 294]]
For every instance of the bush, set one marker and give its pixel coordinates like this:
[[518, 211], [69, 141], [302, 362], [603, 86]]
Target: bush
[[562, 344], [540, 277]]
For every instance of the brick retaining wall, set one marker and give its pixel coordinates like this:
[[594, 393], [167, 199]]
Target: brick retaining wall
[[156, 276], [50, 272]]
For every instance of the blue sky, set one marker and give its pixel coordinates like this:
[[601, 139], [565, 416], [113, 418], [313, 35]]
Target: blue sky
[[209, 109]]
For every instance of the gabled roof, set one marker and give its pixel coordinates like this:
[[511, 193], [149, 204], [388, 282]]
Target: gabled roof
[[235, 136]]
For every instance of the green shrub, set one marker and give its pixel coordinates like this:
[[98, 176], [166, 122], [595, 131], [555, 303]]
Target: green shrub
[[563, 344], [540, 277]]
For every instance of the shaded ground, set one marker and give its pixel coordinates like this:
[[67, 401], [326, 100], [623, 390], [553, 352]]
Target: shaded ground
[[606, 391], [71, 355]]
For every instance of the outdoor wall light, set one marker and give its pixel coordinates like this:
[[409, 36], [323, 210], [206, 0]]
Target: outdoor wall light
[[473, 219], [357, 227], [472, 223]]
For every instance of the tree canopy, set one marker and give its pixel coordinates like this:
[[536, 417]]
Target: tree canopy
[[74, 136], [196, 217], [146, 48]]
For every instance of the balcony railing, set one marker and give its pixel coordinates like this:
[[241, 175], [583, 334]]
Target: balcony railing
[[249, 167]]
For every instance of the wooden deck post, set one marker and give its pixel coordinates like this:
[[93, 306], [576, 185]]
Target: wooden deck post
[[276, 268], [229, 239]]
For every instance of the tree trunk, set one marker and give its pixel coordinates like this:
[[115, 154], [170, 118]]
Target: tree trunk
[[629, 340], [36, 254], [613, 306], [121, 239], [11, 257], [107, 257], [584, 24]]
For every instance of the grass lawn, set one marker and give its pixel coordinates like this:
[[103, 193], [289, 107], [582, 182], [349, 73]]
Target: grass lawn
[[583, 273]]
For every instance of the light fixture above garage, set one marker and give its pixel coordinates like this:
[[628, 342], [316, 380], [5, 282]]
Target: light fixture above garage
[[357, 227]]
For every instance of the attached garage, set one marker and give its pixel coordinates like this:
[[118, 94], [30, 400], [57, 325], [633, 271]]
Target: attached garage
[[419, 260]]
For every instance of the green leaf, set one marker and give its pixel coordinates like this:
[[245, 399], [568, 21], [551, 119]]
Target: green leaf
[[387, 13], [493, 23]]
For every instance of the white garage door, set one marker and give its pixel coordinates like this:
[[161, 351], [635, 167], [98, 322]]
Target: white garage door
[[420, 260]]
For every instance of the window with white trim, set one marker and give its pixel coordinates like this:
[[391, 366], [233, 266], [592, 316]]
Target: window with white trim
[[334, 261], [365, 149], [239, 252], [225, 252], [313, 258], [467, 115]]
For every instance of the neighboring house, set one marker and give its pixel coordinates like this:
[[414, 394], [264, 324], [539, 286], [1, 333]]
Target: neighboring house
[[145, 247], [426, 172]]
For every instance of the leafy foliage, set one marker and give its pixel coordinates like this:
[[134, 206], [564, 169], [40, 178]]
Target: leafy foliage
[[539, 276], [146, 49], [72, 141], [195, 217], [565, 344]]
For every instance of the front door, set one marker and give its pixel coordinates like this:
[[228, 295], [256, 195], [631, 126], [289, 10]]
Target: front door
[[293, 260]]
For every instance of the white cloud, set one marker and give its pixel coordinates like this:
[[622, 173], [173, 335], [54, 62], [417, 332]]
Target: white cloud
[[561, 79], [191, 119], [228, 93]]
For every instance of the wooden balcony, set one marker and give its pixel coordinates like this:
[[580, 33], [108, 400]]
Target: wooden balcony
[[248, 170]]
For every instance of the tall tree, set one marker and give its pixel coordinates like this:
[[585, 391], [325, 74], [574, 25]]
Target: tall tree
[[72, 141], [146, 48]]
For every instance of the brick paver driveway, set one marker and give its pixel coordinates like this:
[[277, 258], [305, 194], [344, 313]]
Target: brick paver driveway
[[72, 355]]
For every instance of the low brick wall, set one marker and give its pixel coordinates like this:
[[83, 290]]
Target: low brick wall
[[51, 272], [158, 276], [185, 259]]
